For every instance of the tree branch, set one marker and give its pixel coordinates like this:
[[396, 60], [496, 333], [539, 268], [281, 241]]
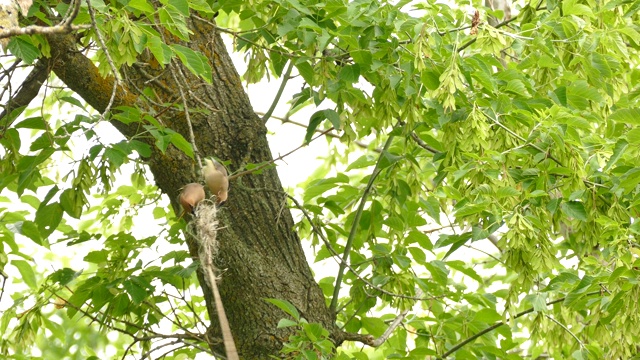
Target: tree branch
[[64, 27], [285, 78], [286, 120], [375, 342], [354, 227], [81, 75], [268, 163], [566, 329], [387, 333], [28, 91]]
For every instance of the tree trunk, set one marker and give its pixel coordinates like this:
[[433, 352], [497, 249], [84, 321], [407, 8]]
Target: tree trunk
[[259, 256]]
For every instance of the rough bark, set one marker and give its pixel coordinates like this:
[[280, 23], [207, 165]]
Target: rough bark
[[260, 256]]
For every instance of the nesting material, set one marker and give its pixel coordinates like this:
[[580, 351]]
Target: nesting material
[[205, 227]]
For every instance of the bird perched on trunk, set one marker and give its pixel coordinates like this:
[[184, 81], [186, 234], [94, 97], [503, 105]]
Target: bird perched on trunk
[[190, 196], [217, 179]]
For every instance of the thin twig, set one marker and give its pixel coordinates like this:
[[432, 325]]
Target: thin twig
[[286, 120], [335, 256], [268, 163], [185, 105], [513, 133], [566, 329], [285, 78], [423, 144], [103, 46], [354, 226], [4, 280], [394, 324]]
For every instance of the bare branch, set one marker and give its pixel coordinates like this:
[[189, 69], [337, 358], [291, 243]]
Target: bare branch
[[45, 30], [394, 324], [28, 90], [63, 27]]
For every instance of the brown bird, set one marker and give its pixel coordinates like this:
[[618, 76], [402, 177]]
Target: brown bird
[[190, 196], [217, 179]]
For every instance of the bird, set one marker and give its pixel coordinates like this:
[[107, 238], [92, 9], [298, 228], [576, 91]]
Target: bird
[[190, 196], [216, 178]]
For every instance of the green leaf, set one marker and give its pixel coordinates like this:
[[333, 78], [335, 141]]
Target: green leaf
[[571, 7], [26, 272], [30, 230], [137, 293], [142, 148], [306, 70], [488, 316], [73, 101], [181, 5], [387, 159], [163, 138], [469, 209], [72, 203], [630, 180], [417, 254], [361, 162], [37, 123], [285, 306], [22, 47], [283, 323], [574, 209], [317, 118], [626, 116], [174, 21], [141, 5], [97, 256], [161, 51], [65, 276], [579, 95], [314, 331], [438, 271], [507, 191], [200, 5], [197, 63], [189, 270], [117, 154], [374, 326], [316, 189], [463, 268], [600, 63], [618, 151], [419, 237], [182, 144], [538, 300], [48, 217], [350, 73]]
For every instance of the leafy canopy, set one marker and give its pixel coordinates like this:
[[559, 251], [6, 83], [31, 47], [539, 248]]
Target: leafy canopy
[[498, 195]]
